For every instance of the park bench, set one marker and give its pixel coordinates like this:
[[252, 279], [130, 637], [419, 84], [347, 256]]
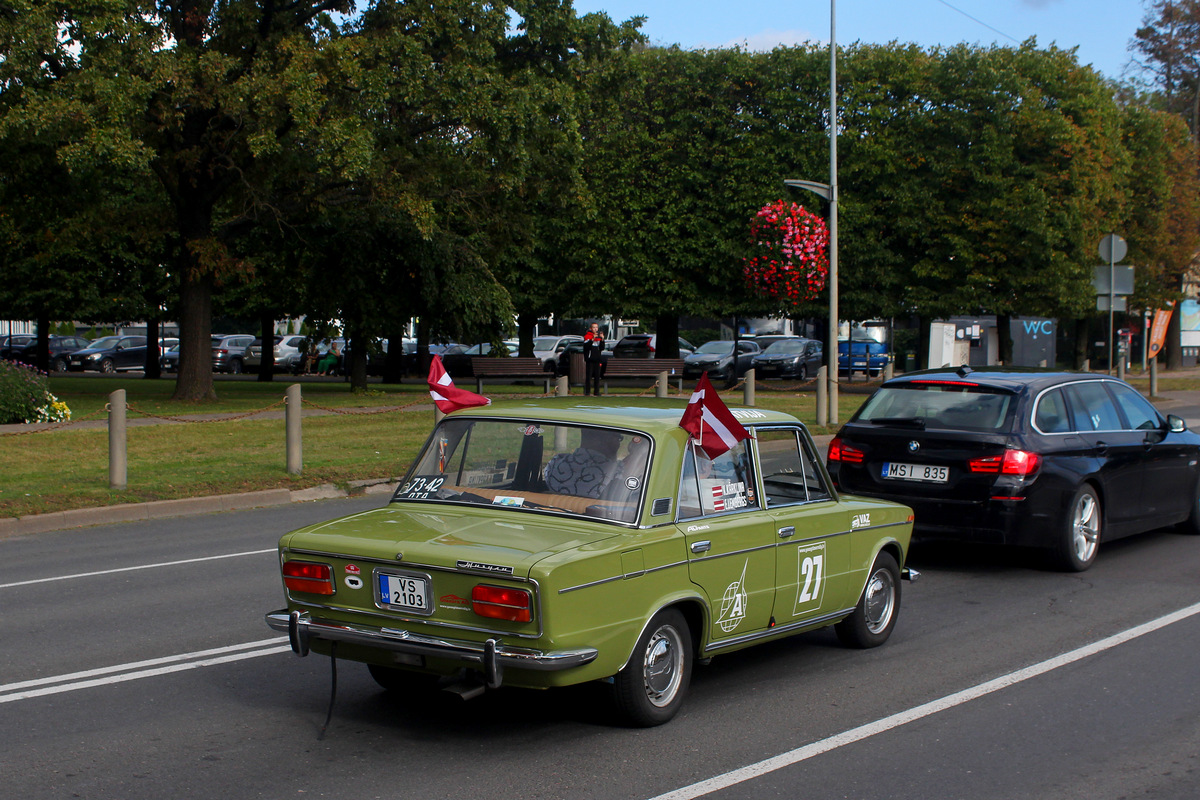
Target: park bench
[[643, 368], [513, 368]]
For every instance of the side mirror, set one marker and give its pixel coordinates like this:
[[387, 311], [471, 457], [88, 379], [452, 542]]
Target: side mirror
[[1176, 424]]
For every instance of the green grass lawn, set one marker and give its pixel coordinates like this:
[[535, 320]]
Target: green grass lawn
[[67, 468]]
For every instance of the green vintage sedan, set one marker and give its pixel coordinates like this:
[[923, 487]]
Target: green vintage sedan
[[549, 542]]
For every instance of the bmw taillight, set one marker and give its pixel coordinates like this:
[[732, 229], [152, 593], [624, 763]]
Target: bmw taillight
[[307, 576], [840, 451], [1013, 462], [498, 602]]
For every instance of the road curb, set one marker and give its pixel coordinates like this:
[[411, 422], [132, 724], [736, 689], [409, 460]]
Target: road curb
[[186, 506]]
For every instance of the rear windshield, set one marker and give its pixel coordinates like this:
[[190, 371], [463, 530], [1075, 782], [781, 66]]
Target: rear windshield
[[529, 465], [940, 406]]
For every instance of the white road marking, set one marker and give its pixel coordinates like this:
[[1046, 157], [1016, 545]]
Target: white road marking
[[132, 569], [751, 771], [103, 676]]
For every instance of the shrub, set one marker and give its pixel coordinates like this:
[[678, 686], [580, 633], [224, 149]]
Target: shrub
[[25, 396]]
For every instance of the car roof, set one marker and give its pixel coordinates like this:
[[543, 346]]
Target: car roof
[[652, 415], [1011, 378]]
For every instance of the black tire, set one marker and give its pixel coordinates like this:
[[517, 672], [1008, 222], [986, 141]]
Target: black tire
[[803, 372], [1079, 536], [58, 365], [1192, 524], [650, 689], [107, 366], [878, 607], [235, 367]]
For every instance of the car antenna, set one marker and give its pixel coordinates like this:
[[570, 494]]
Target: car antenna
[[964, 371]]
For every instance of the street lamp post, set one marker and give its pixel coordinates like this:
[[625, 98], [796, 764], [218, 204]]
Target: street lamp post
[[829, 192]]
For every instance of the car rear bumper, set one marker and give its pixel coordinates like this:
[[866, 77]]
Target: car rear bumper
[[490, 656]]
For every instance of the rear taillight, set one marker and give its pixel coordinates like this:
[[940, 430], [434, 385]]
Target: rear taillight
[[305, 576], [498, 602], [840, 451], [1013, 462]]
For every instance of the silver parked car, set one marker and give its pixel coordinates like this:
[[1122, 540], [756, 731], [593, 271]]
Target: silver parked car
[[289, 353]]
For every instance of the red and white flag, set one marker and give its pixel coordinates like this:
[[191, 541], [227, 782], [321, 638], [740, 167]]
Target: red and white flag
[[709, 420], [445, 394]]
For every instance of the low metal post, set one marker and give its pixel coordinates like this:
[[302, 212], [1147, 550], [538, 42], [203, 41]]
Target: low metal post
[[748, 388], [822, 395], [295, 454], [889, 371], [118, 464], [1154, 377], [1121, 367], [661, 389], [562, 386]]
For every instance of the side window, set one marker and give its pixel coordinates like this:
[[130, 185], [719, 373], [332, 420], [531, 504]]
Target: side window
[[1139, 412], [716, 486], [1051, 414], [1092, 409], [790, 473]]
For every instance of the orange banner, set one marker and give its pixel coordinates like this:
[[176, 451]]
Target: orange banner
[[1158, 331]]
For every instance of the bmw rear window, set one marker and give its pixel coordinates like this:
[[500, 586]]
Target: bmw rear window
[[945, 406]]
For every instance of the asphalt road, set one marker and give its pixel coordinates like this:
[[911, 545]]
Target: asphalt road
[[135, 664]]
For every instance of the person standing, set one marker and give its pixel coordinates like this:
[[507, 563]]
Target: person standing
[[593, 364]]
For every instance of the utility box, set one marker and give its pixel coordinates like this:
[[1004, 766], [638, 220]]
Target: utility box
[[946, 349]]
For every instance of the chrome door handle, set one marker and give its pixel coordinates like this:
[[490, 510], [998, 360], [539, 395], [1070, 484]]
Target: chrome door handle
[[784, 533], [701, 547]]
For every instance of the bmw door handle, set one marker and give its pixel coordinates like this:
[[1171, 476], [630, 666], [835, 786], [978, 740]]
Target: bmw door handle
[[1101, 447], [702, 546], [784, 533]]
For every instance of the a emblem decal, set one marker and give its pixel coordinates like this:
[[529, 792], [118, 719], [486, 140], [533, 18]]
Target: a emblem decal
[[734, 602], [914, 446]]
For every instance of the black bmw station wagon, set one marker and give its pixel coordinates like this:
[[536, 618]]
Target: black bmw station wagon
[[1060, 461]]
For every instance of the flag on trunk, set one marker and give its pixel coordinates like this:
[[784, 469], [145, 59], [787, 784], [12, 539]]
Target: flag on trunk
[[710, 422], [446, 395]]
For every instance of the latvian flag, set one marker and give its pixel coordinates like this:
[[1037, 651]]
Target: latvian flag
[[445, 394], [710, 422]]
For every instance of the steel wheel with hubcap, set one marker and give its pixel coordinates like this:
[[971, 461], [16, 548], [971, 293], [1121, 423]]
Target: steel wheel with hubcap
[[651, 687], [873, 618]]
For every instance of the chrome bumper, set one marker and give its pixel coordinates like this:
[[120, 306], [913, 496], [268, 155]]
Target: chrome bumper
[[490, 656]]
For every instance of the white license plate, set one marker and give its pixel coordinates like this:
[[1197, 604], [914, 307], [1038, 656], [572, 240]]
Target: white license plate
[[915, 472], [406, 592]]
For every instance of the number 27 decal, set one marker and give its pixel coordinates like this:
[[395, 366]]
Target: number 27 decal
[[811, 577]]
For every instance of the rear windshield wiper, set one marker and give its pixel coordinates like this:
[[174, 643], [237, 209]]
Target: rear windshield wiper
[[911, 422]]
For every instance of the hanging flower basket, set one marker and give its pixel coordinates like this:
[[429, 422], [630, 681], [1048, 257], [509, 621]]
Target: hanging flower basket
[[791, 253]]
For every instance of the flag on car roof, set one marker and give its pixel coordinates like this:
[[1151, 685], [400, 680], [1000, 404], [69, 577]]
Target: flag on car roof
[[445, 394], [709, 420]]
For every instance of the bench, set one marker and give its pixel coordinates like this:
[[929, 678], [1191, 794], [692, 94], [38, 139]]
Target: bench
[[512, 367], [642, 368]]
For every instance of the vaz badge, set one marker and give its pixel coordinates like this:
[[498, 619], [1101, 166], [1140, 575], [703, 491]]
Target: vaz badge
[[860, 521], [733, 603]]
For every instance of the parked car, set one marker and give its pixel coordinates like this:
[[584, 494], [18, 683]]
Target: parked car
[[59, 348], [768, 339], [790, 358], [550, 348], [496, 563], [1061, 461], [716, 358], [457, 358], [289, 354], [112, 354], [229, 353], [644, 345], [862, 355], [14, 341]]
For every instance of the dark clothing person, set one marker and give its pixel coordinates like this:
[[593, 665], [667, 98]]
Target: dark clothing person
[[593, 348]]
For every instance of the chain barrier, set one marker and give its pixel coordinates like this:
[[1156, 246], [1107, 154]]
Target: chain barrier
[[231, 418], [360, 412], [56, 425]]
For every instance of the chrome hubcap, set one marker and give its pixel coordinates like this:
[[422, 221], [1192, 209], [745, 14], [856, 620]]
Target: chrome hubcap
[[880, 600], [662, 668]]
